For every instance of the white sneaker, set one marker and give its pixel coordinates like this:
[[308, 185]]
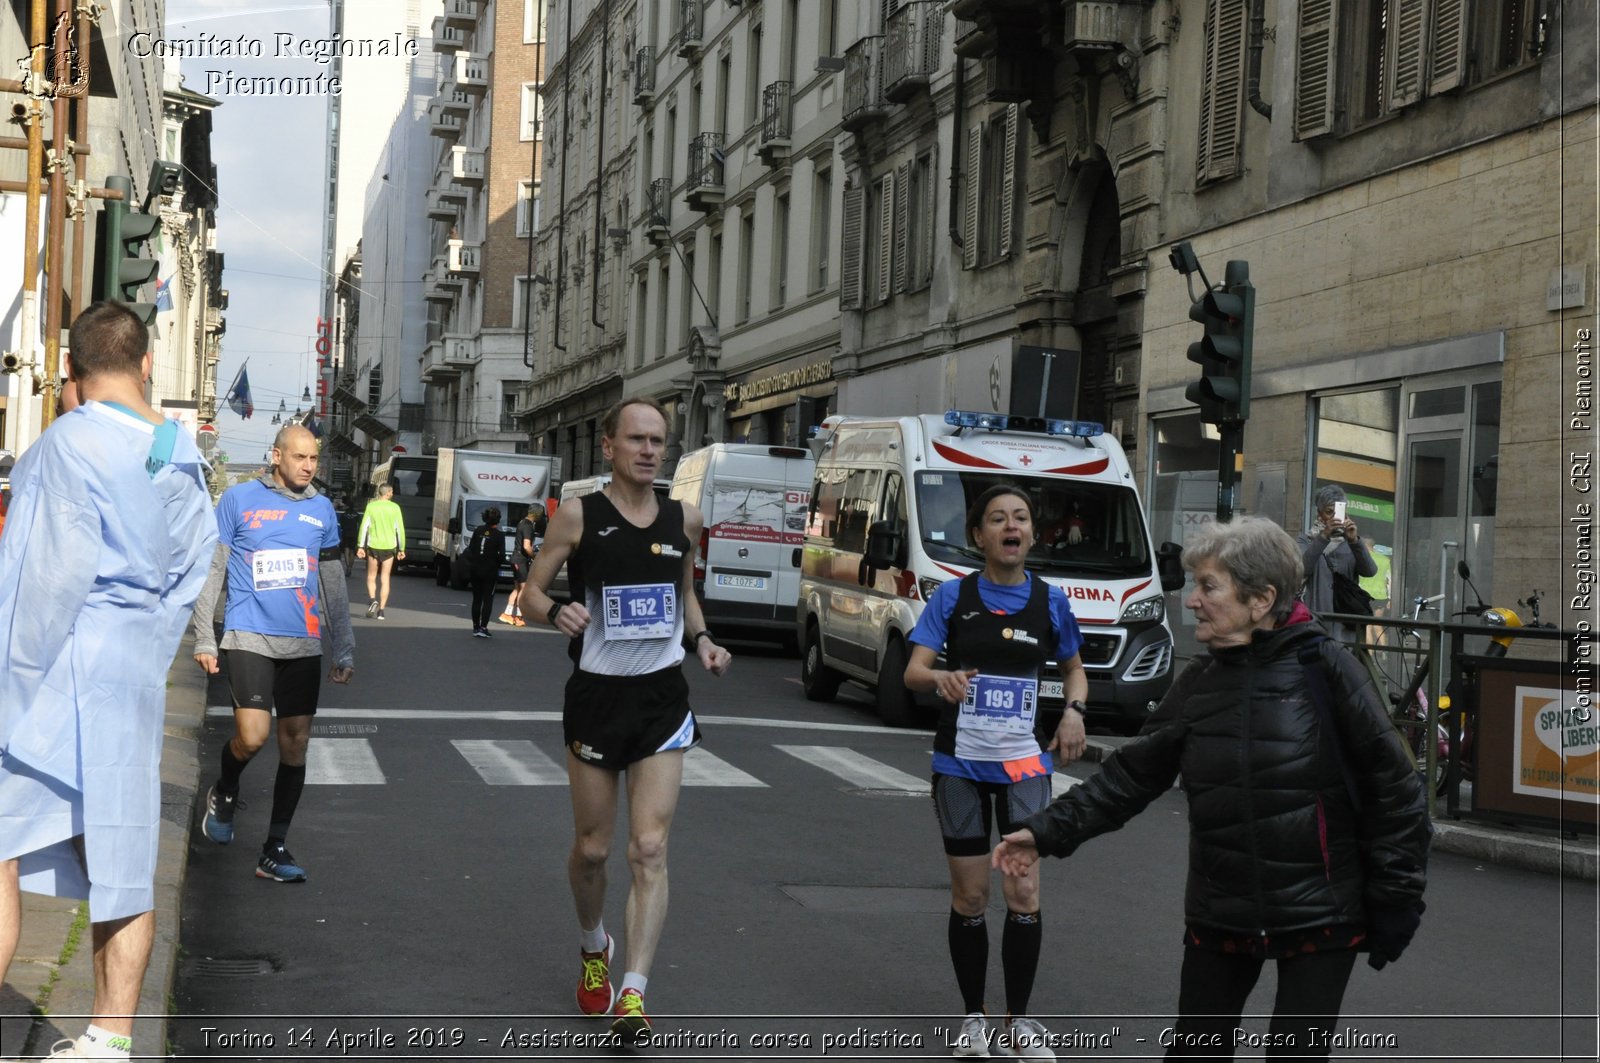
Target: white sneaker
[[82, 1048], [1027, 1038], [973, 1040]]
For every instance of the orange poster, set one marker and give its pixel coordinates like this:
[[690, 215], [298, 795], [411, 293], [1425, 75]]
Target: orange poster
[[1557, 745]]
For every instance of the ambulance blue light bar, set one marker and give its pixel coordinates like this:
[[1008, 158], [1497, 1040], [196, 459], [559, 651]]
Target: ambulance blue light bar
[[1007, 422]]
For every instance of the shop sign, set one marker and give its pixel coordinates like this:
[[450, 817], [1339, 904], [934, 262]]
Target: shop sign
[[791, 380]]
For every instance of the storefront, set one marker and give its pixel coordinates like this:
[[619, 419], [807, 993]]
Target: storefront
[[782, 403]]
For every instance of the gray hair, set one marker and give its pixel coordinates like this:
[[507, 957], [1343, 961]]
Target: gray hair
[[1327, 495], [1258, 555]]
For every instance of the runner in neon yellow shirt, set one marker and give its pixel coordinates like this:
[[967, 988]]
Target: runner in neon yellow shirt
[[382, 541]]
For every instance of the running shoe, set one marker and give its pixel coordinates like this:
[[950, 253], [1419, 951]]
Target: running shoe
[[1027, 1038], [595, 992], [507, 618], [973, 1040], [486, 633], [372, 609], [83, 1048], [629, 1019], [381, 616], [218, 824], [517, 621], [278, 865], [479, 633]]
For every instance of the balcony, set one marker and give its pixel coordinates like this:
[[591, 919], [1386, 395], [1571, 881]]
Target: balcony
[[911, 48], [462, 13], [447, 36], [439, 207], [462, 258], [440, 276], [452, 98], [446, 125], [466, 165], [691, 31], [644, 76], [1016, 41], [777, 117], [1092, 27], [471, 73], [451, 193], [704, 188], [657, 220], [863, 85], [460, 352], [434, 365]]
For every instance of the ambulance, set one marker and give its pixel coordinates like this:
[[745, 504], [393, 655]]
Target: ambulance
[[886, 524]]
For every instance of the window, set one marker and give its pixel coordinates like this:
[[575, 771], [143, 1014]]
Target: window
[[532, 110], [850, 250], [828, 31], [1222, 96], [669, 149], [991, 183], [661, 310], [533, 21], [714, 277], [752, 101], [791, 40], [872, 286], [724, 90], [822, 226], [747, 258], [916, 232], [522, 306], [641, 291], [527, 208], [686, 299], [780, 249]]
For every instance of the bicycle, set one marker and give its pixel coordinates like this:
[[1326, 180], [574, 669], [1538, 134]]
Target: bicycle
[[1410, 708]]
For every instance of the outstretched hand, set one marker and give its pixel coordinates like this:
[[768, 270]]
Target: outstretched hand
[[1016, 854]]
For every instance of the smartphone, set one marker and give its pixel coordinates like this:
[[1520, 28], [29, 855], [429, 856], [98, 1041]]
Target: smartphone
[[1338, 512]]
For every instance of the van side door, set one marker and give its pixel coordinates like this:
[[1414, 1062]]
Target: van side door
[[885, 588]]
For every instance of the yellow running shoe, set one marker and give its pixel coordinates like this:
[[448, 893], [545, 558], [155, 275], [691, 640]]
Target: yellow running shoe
[[630, 1020]]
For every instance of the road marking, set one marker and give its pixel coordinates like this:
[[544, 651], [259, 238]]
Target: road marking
[[1061, 783], [513, 762], [707, 769], [857, 769], [516, 716], [342, 762]]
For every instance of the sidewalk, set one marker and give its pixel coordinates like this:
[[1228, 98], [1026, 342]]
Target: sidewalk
[[53, 967]]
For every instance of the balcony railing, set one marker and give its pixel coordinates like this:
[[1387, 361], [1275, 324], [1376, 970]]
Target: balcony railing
[[1092, 27], [691, 27], [434, 365], [704, 189], [460, 351], [449, 192], [471, 73], [451, 97], [440, 207], [657, 222], [863, 84], [644, 74], [466, 165], [777, 118], [463, 13], [445, 124], [448, 36], [911, 48], [463, 258]]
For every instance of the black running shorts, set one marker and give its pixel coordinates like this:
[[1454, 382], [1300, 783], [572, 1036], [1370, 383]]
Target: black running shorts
[[519, 567], [967, 809], [260, 682], [380, 556], [614, 721]]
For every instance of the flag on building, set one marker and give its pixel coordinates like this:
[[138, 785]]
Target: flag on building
[[164, 293], [238, 397]]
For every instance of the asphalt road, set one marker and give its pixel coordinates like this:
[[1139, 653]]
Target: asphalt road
[[809, 891]]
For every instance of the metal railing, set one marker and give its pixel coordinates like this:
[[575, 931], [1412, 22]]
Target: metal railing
[[911, 44], [644, 72], [691, 23], [705, 161], [863, 80], [777, 112], [660, 202]]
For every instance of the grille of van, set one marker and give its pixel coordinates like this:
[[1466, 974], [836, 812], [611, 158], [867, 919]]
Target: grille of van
[[1151, 664], [1100, 650]]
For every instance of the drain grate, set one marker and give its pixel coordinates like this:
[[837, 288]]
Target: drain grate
[[222, 967]]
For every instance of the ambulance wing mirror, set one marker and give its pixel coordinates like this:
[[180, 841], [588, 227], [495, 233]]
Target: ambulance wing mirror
[[886, 546], [1169, 563]]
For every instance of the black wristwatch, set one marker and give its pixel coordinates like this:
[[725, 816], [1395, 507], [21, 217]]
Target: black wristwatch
[[554, 609], [703, 633], [1083, 710]]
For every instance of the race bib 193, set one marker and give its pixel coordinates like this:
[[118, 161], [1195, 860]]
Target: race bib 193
[[640, 611], [273, 570], [1001, 703]]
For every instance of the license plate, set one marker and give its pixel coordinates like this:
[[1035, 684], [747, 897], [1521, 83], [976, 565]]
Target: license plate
[[743, 583], [1050, 688]]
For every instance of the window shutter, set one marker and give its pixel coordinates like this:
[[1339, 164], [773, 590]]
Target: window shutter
[[1315, 75], [969, 222], [1407, 35], [930, 208], [1222, 99], [850, 250], [884, 238], [902, 189], [1008, 181], [1449, 45]]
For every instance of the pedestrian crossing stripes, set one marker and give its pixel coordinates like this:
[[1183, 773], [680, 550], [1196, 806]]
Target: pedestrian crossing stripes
[[520, 762]]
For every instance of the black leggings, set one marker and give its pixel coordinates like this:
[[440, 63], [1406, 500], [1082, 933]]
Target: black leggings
[[482, 600], [1215, 985]]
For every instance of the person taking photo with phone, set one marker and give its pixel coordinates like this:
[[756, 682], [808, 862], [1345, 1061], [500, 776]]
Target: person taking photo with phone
[[1332, 544]]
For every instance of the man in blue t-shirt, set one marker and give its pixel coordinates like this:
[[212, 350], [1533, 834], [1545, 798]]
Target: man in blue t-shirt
[[280, 557]]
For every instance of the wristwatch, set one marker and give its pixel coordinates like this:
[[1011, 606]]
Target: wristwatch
[[1083, 710], [554, 609]]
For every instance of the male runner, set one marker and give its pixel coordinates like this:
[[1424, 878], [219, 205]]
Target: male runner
[[382, 541], [109, 538], [279, 552], [630, 563]]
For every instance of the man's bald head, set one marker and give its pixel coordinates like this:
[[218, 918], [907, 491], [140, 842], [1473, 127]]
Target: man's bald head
[[294, 457]]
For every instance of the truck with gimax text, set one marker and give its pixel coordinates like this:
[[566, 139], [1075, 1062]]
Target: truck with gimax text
[[468, 483]]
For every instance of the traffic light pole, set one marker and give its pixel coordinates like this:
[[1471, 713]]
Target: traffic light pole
[[1230, 460]]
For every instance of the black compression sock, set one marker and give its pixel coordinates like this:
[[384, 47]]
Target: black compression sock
[[232, 768], [285, 798], [1019, 957], [969, 952]]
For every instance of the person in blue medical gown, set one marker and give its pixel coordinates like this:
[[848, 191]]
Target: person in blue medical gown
[[106, 547]]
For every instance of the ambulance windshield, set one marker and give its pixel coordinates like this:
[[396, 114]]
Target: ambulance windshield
[[1086, 529]]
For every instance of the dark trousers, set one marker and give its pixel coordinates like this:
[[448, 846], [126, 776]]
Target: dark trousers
[[1215, 985], [482, 599]]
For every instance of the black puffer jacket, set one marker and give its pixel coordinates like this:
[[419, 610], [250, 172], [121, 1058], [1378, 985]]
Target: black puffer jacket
[[1275, 843]]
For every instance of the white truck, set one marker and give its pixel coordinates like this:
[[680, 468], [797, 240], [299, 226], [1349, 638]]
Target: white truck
[[468, 483]]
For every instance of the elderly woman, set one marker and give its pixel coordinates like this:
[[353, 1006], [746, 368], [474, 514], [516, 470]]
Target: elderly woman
[[1308, 828], [1332, 544]]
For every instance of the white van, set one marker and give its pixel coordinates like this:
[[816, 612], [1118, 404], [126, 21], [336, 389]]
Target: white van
[[886, 525], [590, 484], [747, 563]]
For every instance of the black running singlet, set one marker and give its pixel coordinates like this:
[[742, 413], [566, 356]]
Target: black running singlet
[[631, 581]]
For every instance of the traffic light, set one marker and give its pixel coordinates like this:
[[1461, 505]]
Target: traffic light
[[125, 270], [1226, 315]]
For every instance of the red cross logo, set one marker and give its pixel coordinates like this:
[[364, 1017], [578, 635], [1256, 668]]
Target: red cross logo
[[1026, 461]]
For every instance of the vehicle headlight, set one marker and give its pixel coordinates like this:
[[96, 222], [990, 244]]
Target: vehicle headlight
[[927, 585], [1148, 609]]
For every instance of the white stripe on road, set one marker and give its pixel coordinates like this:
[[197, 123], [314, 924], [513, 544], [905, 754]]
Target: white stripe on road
[[513, 716], [514, 762], [857, 769], [1060, 784], [342, 762], [707, 769]]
